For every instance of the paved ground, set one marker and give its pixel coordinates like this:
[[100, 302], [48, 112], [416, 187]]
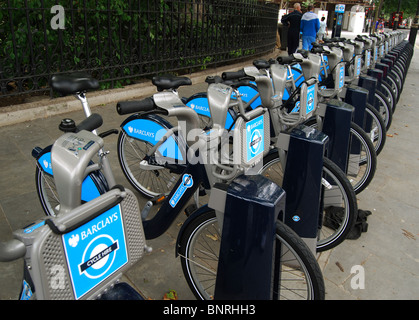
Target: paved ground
[[387, 254]]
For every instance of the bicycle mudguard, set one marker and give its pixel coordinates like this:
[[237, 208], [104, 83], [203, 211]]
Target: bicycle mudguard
[[248, 93], [297, 74], [199, 103], [93, 185], [151, 128], [189, 220]]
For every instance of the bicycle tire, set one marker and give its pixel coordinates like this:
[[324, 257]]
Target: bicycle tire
[[340, 188], [398, 80], [393, 86], [47, 191], [384, 108], [200, 270], [368, 157], [389, 94], [149, 183], [378, 133]]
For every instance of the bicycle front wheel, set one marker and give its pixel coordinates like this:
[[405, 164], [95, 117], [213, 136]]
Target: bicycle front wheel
[[377, 130], [150, 183], [47, 192], [384, 108], [362, 161], [298, 273], [337, 194]]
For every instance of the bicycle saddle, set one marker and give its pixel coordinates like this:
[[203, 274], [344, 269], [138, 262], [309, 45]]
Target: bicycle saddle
[[170, 82], [73, 83]]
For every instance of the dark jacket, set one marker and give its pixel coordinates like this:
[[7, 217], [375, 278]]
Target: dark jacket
[[293, 21]]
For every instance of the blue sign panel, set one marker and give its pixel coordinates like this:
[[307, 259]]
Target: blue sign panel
[[340, 8], [311, 91], [341, 76], [254, 137], [95, 250], [358, 66]]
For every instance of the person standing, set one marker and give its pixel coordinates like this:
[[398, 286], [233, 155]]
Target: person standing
[[323, 29], [310, 24], [293, 21]]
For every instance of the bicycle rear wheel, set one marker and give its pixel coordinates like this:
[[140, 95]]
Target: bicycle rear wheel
[[298, 271]]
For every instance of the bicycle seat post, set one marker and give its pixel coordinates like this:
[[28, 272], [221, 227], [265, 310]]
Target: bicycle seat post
[[81, 96]]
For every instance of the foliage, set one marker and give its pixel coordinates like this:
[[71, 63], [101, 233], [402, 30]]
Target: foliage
[[307, 3], [408, 7], [118, 40]]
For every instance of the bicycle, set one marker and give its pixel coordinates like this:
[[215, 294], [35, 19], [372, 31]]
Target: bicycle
[[364, 161], [336, 189], [385, 96], [350, 70], [305, 271], [82, 252], [98, 181], [282, 123], [137, 158]]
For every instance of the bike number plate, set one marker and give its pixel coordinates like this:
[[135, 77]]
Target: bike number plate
[[358, 66], [255, 138], [341, 76], [311, 91]]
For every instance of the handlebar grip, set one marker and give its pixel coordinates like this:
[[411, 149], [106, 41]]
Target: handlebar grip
[[12, 250], [285, 60], [126, 107], [317, 49], [233, 75], [91, 123], [213, 79]]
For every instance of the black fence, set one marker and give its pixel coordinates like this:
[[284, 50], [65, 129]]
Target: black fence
[[120, 41]]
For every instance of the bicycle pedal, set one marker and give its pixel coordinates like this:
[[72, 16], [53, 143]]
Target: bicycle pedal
[[190, 209]]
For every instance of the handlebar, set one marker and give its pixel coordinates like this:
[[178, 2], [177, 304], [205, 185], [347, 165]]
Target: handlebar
[[91, 123], [213, 79], [233, 75], [12, 250], [288, 60], [126, 107]]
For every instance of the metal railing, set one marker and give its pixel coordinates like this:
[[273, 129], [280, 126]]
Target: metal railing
[[120, 41]]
